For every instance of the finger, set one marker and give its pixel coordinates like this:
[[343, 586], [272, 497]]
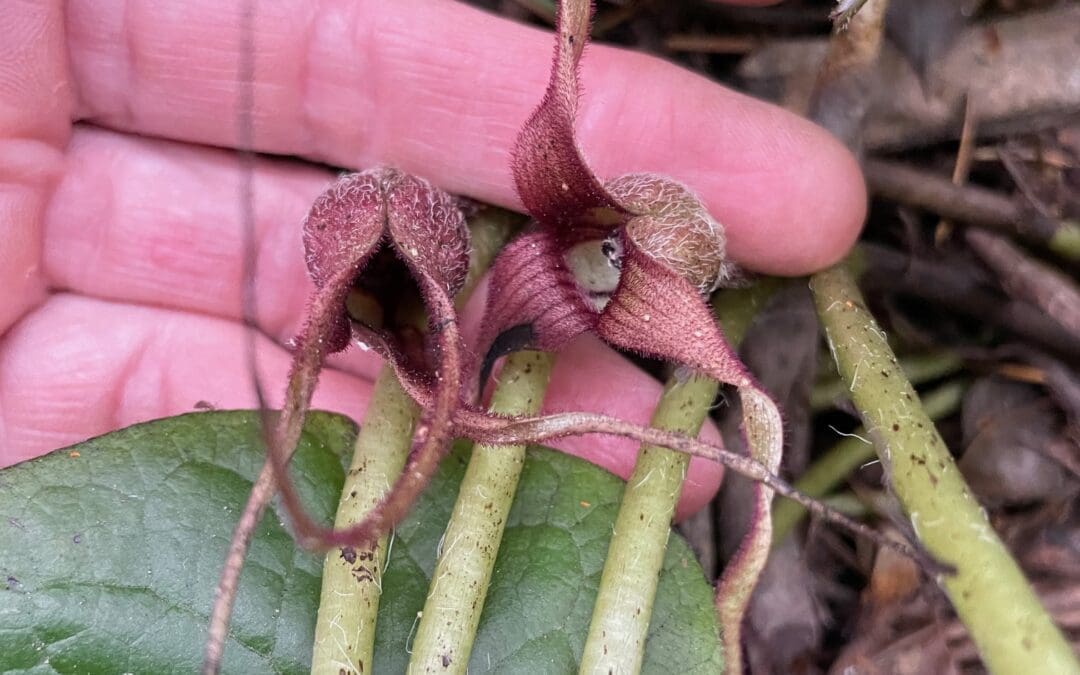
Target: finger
[[35, 112], [157, 223], [440, 89], [78, 367]]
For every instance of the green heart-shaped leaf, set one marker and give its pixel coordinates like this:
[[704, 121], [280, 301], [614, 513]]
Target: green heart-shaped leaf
[[110, 550]]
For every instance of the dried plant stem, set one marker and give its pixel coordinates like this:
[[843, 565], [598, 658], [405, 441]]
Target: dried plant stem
[[943, 283], [620, 620], [845, 11], [971, 204], [463, 570], [1012, 630], [965, 154], [1029, 279], [352, 578], [830, 470]]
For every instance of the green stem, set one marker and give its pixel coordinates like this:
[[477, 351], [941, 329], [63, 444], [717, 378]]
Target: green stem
[[918, 369], [545, 9], [847, 503], [620, 620], [1012, 631], [352, 579], [488, 233], [830, 470], [462, 573], [624, 602], [737, 307]]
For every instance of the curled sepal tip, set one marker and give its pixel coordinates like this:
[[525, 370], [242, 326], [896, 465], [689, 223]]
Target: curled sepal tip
[[762, 431]]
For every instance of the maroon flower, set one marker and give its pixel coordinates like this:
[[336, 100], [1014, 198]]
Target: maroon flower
[[628, 260], [663, 251], [379, 218]]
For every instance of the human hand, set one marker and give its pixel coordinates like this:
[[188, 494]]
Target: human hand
[[122, 251]]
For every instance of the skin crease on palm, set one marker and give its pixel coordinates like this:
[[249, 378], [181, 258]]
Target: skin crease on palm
[[120, 232]]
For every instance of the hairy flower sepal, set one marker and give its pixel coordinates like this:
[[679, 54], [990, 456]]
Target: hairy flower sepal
[[668, 252], [346, 228]]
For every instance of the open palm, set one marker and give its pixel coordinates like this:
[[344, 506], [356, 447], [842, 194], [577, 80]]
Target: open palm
[[120, 235]]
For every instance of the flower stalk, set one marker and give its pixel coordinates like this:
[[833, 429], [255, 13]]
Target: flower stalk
[[352, 576], [620, 620], [1013, 632], [919, 369]]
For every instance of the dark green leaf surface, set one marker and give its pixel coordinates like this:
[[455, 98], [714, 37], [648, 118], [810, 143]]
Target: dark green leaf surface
[[110, 551]]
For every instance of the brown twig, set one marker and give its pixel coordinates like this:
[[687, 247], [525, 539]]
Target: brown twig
[[712, 44], [965, 203], [962, 168], [941, 283], [1028, 279], [1062, 381], [845, 11]]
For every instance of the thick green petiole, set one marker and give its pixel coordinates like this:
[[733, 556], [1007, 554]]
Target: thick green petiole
[[463, 570], [918, 369], [620, 620], [1013, 632], [352, 578], [830, 470]]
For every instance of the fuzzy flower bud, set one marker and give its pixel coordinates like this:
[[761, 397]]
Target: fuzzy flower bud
[[673, 228]]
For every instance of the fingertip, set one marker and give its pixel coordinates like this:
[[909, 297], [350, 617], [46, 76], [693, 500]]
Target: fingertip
[[814, 217], [790, 195]]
